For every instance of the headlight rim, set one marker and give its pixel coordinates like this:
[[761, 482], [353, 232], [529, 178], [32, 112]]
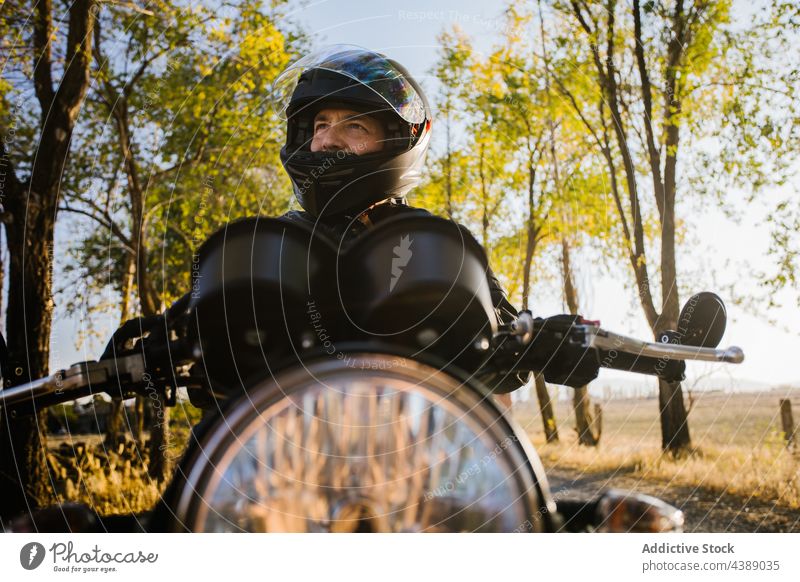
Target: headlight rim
[[213, 445]]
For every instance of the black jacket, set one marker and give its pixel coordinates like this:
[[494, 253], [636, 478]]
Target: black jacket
[[348, 229]]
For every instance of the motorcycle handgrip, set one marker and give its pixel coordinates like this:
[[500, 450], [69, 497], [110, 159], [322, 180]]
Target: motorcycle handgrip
[[569, 364], [666, 368]]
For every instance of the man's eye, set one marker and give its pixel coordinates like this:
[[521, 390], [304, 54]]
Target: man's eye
[[356, 127], [320, 126]]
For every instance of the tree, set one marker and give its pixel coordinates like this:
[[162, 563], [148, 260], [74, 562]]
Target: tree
[[604, 41], [33, 171], [664, 74], [486, 171], [174, 165]]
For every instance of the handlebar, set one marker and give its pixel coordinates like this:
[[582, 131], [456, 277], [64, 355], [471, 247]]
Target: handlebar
[[114, 376], [567, 349]]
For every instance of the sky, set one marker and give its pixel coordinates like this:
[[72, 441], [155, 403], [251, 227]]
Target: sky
[[407, 31]]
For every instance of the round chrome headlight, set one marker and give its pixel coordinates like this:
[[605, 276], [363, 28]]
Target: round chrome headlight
[[368, 442]]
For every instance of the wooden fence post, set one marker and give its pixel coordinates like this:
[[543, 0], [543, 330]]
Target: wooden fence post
[[787, 421], [598, 420]]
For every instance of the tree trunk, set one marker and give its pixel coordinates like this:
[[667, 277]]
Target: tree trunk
[[114, 428], [138, 418], [532, 239], [23, 443], [674, 426], [448, 174], [160, 465], [32, 206], [581, 401], [588, 427], [546, 408], [787, 421], [484, 198], [532, 234], [674, 422], [153, 404]]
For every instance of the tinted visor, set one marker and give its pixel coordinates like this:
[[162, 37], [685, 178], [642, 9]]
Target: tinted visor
[[370, 69]]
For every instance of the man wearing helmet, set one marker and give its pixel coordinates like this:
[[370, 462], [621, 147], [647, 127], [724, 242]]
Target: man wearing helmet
[[358, 129], [347, 130]]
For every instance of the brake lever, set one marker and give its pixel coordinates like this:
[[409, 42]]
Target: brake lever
[[601, 339]]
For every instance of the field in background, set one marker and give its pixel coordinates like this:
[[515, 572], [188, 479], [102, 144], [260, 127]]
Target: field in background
[[738, 444]]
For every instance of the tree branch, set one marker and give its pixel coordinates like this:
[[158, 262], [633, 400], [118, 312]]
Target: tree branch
[[577, 108], [654, 155], [577, 8], [8, 171], [42, 72], [103, 218], [76, 79], [739, 84], [131, 6]]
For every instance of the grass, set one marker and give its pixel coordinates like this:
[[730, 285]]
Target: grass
[[738, 447], [113, 481]]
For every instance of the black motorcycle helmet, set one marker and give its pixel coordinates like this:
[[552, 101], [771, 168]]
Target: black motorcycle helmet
[[335, 184]]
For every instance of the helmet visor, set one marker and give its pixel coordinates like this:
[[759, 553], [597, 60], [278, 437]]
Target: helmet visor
[[371, 69]]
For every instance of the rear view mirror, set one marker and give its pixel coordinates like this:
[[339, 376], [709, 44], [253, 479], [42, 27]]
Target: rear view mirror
[[702, 321], [618, 511]]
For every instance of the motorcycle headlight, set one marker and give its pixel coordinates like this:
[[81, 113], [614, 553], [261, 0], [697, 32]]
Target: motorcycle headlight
[[369, 442]]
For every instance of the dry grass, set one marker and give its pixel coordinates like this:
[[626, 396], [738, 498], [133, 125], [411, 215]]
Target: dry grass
[[738, 446], [112, 481]]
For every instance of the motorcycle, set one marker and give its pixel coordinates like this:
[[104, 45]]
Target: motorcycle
[[345, 389]]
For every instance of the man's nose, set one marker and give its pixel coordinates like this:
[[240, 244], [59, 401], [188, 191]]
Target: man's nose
[[332, 140]]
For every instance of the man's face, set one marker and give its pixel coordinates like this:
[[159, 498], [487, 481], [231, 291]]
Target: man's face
[[338, 129]]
